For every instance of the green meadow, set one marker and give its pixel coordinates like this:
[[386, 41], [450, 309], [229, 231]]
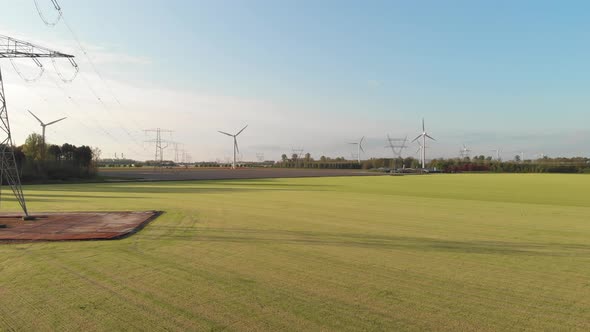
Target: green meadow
[[440, 252]]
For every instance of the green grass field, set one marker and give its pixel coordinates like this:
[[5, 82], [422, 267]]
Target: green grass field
[[440, 252]]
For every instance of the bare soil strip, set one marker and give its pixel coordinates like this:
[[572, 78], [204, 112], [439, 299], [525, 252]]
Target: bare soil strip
[[175, 174], [67, 226]]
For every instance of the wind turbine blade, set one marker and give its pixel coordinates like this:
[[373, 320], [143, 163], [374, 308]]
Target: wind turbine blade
[[423, 127], [41, 122], [415, 139], [430, 137], [239, 132], [50, 123], [223, 132]]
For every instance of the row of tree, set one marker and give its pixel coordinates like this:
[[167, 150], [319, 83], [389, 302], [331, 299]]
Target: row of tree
[[451, 165], [39, 162], [306, 161], [487, 164]]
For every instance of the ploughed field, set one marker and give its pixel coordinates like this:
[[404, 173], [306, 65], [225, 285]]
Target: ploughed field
[[221, 173], [437, 252]]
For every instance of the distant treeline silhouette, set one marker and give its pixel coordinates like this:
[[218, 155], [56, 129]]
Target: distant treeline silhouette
[[449, 165], [38, 162]]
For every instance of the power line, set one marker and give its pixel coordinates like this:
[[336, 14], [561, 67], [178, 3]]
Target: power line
[[44, 19], [96, 125], [92, 64]]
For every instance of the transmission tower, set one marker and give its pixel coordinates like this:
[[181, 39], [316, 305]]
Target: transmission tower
[[260, 157], [297, 152], [397, 146], [11, 48], [160, 145], [177, 152]]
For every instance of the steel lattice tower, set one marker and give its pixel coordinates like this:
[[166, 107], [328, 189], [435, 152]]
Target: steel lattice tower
[[13, 48], [8, 167], [159, 143]]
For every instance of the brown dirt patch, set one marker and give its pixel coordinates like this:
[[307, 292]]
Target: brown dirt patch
[[65, 226]]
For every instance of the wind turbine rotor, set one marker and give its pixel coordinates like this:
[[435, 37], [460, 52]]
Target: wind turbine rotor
[[417, 138]]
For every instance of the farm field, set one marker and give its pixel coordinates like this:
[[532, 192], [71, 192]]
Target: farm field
[[483, 252]]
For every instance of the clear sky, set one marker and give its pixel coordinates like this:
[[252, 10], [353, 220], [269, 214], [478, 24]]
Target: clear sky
[[311, 74]]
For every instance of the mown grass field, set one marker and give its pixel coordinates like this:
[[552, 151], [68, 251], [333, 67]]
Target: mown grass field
[[444, 252]]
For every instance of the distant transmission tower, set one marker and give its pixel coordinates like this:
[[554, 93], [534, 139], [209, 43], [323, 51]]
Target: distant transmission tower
[[159, 144], [177, 152], [260, 157], [297, 152], [11, 48], [397, 146]]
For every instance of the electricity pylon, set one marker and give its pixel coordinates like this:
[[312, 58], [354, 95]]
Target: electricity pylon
[[397, 146], [158, 141], [12, 48]]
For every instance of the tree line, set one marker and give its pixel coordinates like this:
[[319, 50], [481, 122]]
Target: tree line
[[447, 165], [487, 164], [307, 161], [38, 161]]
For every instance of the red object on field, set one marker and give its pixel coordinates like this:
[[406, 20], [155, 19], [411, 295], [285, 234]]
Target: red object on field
[[63, 226]]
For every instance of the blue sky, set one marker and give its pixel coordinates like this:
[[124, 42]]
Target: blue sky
[[318, 74]]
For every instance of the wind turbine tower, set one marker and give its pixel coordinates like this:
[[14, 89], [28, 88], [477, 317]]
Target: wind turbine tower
[[44, 125], [497, 151], [423, 136], [359, 148], [236, 148]]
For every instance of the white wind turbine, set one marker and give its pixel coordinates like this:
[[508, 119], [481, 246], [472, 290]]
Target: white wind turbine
[[497, 151], [43, 125], [359, 145], [465, 151], [424, 135], [236, 148]]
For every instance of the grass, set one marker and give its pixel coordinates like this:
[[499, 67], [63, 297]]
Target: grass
[[444, 252]]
